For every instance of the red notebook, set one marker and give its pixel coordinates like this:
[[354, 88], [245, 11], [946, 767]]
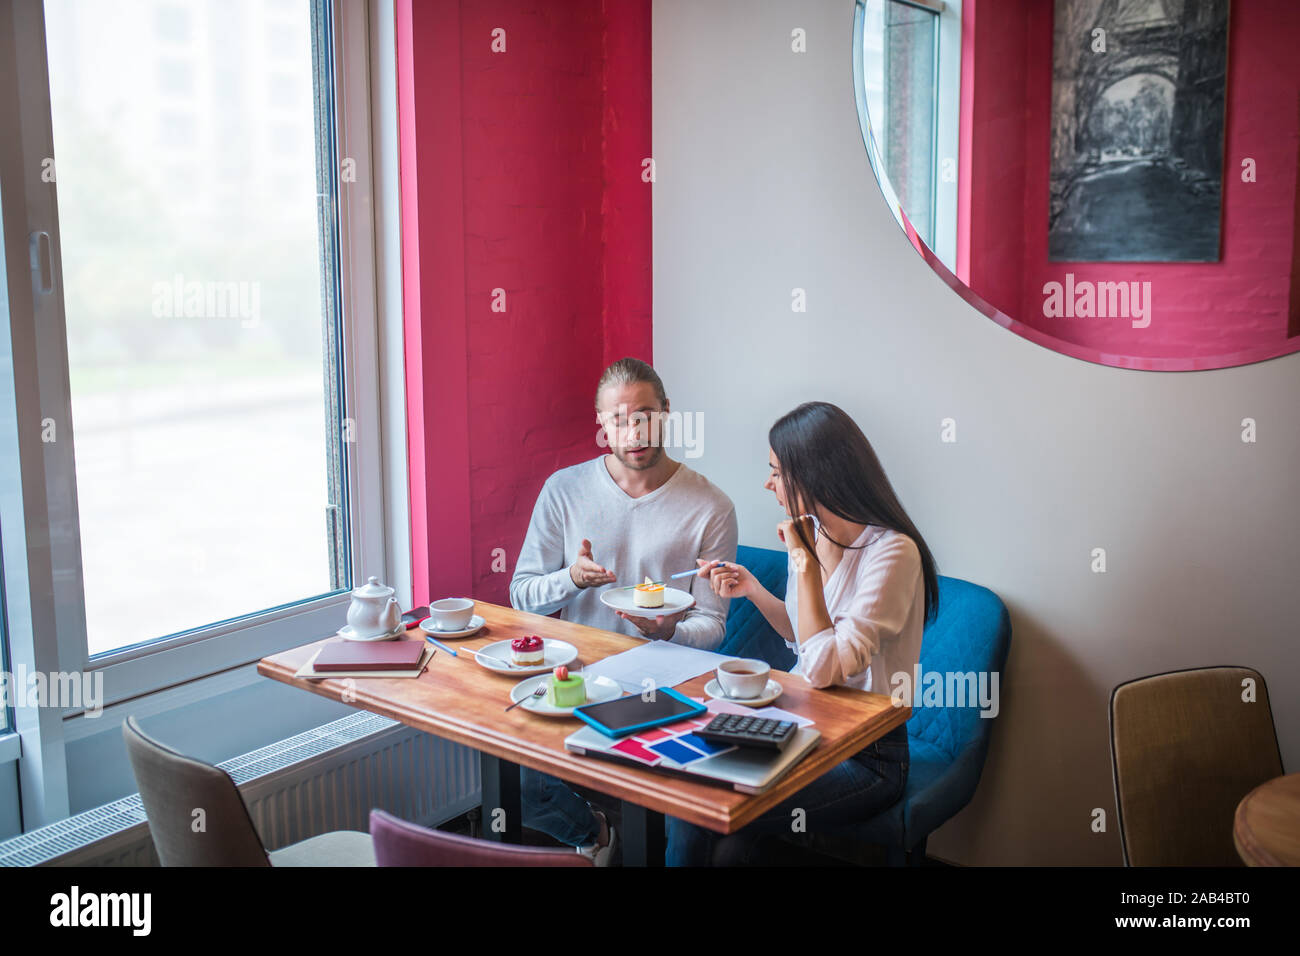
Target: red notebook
[[370, 656]]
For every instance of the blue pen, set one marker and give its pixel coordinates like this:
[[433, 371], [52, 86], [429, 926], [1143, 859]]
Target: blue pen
[[671, 577], [719, 564], [437, 643]]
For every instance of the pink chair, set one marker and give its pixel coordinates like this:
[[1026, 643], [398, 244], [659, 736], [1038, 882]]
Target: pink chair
[[398, 843]]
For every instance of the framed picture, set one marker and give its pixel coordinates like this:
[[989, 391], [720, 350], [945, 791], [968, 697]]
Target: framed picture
[[1137, 130]]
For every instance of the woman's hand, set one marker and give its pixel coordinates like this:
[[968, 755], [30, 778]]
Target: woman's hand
[[788, 534], [729, 579]]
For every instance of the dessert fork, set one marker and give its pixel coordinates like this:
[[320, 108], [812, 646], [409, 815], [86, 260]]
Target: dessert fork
[[541, 689]]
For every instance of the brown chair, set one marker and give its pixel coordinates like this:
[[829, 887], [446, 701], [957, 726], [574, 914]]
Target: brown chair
[[1185, 748], [173, 787], [399, 843]]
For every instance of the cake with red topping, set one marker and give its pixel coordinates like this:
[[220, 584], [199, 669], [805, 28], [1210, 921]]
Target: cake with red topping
[[565, 689], [528, 650]]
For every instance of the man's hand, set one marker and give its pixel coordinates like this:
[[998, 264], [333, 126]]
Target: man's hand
[[586, 573], [660, 628]]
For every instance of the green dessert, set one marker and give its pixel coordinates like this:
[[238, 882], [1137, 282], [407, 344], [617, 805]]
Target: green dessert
[[565, 690]]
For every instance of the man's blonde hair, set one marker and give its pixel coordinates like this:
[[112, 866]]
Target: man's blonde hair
[[631, 371]]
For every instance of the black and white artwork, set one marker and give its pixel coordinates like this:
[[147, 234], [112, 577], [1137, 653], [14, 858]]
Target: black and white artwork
[[1137, 130]]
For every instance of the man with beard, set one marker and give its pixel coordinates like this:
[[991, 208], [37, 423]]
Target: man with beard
[[648, 516]]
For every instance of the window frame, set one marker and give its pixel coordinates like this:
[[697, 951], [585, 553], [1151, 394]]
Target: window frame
[[9, 748], [946, 139], [375, 461]]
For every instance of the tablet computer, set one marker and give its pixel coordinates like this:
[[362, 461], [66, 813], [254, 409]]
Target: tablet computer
[[627, 715]]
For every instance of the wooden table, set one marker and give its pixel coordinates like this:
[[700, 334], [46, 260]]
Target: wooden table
[[1266, 826], [459, 700]]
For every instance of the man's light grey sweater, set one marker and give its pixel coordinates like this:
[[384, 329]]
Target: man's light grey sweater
[[655, 535]]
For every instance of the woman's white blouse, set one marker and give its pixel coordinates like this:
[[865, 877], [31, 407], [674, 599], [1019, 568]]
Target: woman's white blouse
[[876, 600]]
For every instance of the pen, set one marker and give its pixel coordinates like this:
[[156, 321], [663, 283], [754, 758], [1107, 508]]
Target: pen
[[437, 643], [674, 577]]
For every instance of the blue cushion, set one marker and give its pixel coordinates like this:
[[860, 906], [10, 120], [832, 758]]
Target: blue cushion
[[970, 633], [748, 633]]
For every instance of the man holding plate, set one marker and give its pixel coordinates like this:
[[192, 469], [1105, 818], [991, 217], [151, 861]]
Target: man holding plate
[[649, 516]]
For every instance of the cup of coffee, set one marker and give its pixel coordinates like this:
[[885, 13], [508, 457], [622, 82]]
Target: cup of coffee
[[743, 678], [452, 614]]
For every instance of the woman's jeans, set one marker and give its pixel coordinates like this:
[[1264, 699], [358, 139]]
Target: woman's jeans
[[851, 792], [549, 806]]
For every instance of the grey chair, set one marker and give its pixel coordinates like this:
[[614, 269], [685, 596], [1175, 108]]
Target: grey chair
[[173, 786]]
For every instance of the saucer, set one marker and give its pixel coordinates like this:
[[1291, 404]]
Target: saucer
[[770, 693], [475, 623], [347, 634]]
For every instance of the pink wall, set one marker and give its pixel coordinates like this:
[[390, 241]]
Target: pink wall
[[626, 211], [517, 174], [995, 153], [1202, 312]]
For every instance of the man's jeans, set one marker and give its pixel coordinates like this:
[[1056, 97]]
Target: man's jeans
[[853, 791], [550, 807]]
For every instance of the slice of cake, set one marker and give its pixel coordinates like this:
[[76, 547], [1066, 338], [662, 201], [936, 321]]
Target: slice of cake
[[648, 594], [566, 690], [528, 650]]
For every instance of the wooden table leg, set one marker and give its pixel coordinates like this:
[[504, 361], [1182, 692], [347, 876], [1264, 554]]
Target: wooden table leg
[[502, 808], [643, 837]]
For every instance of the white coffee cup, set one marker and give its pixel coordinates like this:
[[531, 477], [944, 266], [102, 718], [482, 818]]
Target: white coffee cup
[[743, 678], [452, 614]]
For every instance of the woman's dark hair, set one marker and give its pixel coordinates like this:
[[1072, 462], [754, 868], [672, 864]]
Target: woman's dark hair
[[826, 460]]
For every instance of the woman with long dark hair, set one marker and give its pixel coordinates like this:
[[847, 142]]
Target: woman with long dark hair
[[862, 583]]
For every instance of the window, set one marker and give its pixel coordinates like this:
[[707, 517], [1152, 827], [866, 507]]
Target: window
[[5, 703], [900, 59], [909, 90], [175, 77], [172, 22], [202, 330]]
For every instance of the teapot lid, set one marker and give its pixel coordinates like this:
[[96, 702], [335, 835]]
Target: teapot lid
[[372, 589]]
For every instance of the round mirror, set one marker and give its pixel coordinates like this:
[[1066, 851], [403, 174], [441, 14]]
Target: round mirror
[[1113, 179]]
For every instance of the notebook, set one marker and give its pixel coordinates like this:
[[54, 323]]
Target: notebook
[[309, 672], [369, 656]]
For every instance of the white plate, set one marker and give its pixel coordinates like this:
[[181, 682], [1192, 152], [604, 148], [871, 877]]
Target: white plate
[[475, 625], [620, 599], [598, 689], [346, 633], [496, 657], [770, 693]]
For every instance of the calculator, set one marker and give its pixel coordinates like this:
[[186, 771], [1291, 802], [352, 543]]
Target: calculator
[[746, 730]]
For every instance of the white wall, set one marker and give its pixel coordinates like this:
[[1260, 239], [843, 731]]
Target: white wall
[[762, 185]]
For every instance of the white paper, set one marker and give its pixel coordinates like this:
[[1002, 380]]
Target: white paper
[[776, 713], [719, 706], [662, 663]]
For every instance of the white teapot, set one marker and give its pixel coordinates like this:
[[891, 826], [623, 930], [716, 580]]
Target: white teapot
[[374, 612]]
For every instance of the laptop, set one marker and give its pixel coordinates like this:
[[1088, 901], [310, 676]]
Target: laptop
[[746, 769]]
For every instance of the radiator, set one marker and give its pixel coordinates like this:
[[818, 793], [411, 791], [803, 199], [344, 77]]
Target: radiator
[[328, 778]]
